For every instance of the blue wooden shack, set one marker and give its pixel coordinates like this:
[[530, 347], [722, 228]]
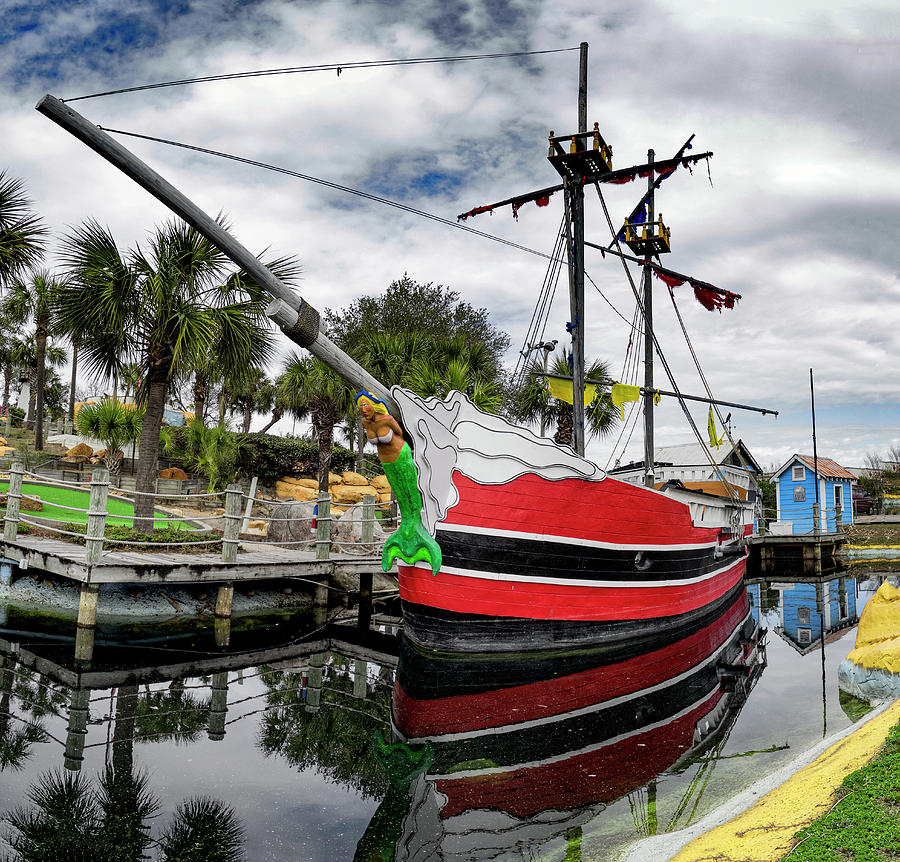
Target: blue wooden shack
[[795, 494]]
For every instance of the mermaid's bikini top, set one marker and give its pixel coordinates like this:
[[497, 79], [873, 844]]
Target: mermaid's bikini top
[[385, 438]]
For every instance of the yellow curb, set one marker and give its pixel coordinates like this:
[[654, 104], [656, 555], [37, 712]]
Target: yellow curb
[[872, 547], [765, 832]]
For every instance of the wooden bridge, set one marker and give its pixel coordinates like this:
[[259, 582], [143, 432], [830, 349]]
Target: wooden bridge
[[92, 564]]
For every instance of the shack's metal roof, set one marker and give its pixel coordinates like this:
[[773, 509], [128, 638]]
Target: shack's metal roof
[[827, 468]]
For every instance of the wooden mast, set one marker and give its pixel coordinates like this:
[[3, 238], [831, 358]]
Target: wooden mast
[[576, 301], [648, 332], [296, 317]]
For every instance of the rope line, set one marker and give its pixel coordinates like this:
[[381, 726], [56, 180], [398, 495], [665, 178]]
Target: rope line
[[318, 67], [332, 185]]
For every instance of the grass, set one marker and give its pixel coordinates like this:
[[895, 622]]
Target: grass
[[121, 511], [158, 540], [873, 534], [864, 825]]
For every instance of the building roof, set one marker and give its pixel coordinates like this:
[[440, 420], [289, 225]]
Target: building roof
[[688, 454], [827, 468]]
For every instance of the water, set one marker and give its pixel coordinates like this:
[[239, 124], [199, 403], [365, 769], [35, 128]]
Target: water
[[288, 732]]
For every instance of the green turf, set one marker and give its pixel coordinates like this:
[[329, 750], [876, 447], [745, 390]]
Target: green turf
[[53, 494], [864, 826]]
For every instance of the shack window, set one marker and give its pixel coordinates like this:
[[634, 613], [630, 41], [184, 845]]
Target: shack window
[[799, 494], [804, 636], [798, 473], [803, 615]]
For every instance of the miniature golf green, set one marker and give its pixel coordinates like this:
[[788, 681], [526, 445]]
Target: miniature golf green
[[55, 494]]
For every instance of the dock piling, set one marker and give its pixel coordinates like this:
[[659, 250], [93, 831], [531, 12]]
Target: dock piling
[[218, 706], [76, 732], [224, 599], [13, 497]]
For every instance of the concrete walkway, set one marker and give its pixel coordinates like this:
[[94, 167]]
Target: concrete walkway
[[759, 824]]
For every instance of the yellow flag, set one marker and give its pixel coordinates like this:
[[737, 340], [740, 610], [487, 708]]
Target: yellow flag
[[711, 427], [562, 390], [620, 393]]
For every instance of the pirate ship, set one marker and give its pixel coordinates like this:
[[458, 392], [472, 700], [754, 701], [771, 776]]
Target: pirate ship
[[540, 548]]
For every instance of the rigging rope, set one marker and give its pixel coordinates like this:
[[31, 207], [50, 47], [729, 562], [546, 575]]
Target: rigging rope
[[319, 67], [332, 185], [662, 357]]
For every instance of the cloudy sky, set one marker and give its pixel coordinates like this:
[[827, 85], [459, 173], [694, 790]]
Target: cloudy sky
[[796, 99]]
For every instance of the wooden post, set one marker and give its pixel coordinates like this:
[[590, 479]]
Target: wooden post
[[761, 523], [96, 525], [232, 523], [367, 528], [218, 706], [252, 494], [364, 619], [14, 495], [222, 631], [359, 678], [838, 518], [87, 619], [323, 527], [79, 715], [817, 520], [224, 599], [316, 677]]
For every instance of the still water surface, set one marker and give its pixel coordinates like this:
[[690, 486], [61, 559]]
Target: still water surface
[[316, 746]]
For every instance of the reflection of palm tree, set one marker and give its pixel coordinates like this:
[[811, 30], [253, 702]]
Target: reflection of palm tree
[[67, 818], [170, 715], [336, 740], [16, 738]]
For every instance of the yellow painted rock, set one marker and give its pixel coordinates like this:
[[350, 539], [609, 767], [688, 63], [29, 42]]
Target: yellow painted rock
[[384, 497], [380, 482], [347, 493], [308, 483], [290, 491], [351, 478], [82, 449], [878, 634], [335, 479]]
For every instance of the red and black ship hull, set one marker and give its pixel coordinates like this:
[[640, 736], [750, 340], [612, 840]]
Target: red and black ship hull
[[538, 564]]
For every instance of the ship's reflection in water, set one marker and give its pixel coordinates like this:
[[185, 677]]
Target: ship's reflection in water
[[518, 756]]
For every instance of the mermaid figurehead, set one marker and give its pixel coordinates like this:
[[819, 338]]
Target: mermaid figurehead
[[411, 542]]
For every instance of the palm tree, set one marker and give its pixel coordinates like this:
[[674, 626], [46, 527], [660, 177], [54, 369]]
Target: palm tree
[[250, 394], [533, 401], [35, 298], [24, 357], [165, 309], [21, 231], [312, 389], [114, 424], [432, 376]]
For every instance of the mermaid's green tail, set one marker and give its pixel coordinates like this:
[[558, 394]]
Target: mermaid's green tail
[[412, 542]]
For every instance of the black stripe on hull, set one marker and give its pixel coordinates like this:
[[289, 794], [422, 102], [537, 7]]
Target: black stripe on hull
[[545, 558], [552, 738], [441, 630]]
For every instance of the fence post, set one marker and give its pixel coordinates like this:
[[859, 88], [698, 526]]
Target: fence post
[[251, 494], [232, 523], [817, 520], [96, 525], [323, 527], [367, 528], [13, 496], [838, 518]]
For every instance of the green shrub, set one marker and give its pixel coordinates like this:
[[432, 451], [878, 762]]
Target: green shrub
[[270, 457]]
